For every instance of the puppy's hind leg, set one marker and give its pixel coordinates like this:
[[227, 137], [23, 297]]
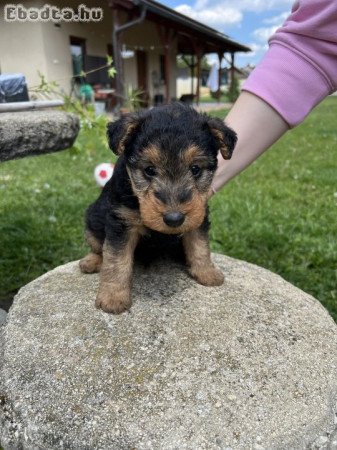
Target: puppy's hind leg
[[93, 261]]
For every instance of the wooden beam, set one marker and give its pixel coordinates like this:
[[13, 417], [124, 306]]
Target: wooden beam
[[232, 69], [198, 76], [167, 70], [167, 35], [198, 51], [219, 75], [192, 74], [124, 4], [188, 64]]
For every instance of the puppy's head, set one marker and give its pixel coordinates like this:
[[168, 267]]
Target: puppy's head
[[171, 157]]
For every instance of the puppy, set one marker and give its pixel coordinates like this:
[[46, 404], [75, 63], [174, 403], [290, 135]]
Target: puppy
[[156, 200]]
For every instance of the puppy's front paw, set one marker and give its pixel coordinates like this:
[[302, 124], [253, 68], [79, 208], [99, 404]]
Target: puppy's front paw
[[114, 302], [91, 263], [210, 276]]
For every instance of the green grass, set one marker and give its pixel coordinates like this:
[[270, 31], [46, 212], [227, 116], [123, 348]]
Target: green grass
[[280, 213], [210, 99], [43, 200]]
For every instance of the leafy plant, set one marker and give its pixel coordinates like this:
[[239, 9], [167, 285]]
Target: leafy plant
[[184, 61], [234, 90], [93, 126], [134, 98], [217, 94]]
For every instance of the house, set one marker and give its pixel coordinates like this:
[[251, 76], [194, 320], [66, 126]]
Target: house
[[143, 36]]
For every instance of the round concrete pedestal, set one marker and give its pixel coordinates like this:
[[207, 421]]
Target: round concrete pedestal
[[248, 365]]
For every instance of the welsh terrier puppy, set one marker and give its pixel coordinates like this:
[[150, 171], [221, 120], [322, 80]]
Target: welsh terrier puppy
[[156, 201]]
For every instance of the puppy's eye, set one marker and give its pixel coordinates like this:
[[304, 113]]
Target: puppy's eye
[[150, 171], [196, 170]]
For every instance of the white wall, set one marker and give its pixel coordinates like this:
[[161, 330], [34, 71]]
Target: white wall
[[21, 47], [31, 46], [146, 35], [184, 86], [57, 42]]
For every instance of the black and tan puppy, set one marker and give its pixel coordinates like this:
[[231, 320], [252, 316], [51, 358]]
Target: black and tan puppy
[[156, 200]]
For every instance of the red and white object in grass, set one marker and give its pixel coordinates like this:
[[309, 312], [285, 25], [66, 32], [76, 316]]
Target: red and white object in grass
[[103, 173]]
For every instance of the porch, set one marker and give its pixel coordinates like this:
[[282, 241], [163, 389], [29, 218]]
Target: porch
[[172, 33]]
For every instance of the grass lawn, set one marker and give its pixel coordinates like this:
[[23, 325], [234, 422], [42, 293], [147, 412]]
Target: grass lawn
[[280, 213], [210, 99]]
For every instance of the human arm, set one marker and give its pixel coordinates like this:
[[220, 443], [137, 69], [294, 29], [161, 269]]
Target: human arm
[[257, 126], [298, 71]]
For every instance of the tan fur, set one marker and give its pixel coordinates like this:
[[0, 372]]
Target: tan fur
[[195, 210], [95, 244], [198, 257], [191, 153], [153, 154], [223, 148], [129, 128], [143, 184], [152, 210], [115, 278], [131, 217], [93, 261]]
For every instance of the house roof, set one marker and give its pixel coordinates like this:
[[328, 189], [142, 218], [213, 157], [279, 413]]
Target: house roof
[[190, 33]]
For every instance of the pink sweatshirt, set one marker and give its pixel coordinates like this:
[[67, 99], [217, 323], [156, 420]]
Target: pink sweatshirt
[[300, 67]]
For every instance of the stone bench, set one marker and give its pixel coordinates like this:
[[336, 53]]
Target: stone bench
[[248, 365], [36, 132]]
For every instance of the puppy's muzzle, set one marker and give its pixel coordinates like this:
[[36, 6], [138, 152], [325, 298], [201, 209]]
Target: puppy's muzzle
[[174, 219]]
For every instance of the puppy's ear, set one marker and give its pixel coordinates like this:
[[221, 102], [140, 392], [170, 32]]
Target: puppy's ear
[[121, 131], [226, 138]]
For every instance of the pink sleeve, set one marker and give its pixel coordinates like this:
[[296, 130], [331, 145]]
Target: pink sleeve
[[300, 68]]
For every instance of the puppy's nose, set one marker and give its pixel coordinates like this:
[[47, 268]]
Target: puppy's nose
[[174, 219]]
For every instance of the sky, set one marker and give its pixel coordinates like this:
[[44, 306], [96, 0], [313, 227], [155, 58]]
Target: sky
[[250, 22]]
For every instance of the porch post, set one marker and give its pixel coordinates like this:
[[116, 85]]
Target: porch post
[[219, 75], [232, 69], [166, 36], [117, 49], [167, 67], [199, 55], [192, 73], [198, 50]]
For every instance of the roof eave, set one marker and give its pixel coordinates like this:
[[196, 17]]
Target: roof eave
[[163, 10], [175, 16]]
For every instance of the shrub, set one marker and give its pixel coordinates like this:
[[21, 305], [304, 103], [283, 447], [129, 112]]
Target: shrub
[[234, 90]]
